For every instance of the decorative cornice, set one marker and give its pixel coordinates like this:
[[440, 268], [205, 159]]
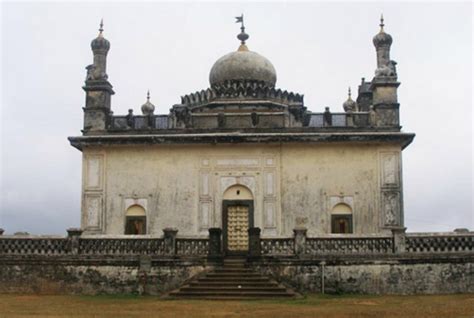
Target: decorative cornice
[[241, 90], [404, 139]]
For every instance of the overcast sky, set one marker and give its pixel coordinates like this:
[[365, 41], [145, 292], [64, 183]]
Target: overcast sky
[[318, 49]]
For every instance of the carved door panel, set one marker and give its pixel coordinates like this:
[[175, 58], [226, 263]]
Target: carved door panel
[[237, 228]]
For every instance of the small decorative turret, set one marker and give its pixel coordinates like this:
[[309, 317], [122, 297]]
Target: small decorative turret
[[385, 110], [148, 108], [349, 105], [100, 47], [382, 42], [98, 89]]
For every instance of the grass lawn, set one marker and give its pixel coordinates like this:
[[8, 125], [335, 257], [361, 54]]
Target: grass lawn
[[310, 306]]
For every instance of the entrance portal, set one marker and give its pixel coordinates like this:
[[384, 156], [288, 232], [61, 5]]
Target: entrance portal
[[237, 228], [237, 210]]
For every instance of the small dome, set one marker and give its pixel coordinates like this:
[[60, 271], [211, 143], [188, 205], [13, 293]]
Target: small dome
[[349, 105], [243, 65], [382, 38], [100, 43], [148, 108]]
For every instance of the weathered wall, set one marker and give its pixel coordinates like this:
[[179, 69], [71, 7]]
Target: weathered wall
[[293, 185], [367, 275], [84, 277], [389, 276]]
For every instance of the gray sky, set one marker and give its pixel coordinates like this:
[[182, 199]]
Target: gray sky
[[318, 49]]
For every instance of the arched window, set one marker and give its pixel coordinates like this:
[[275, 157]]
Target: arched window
[[341, 218], [135, 220]]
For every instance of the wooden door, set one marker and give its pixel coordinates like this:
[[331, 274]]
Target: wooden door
[[237, 228]]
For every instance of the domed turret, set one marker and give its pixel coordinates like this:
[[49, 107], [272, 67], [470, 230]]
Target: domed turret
[[243, 65], [382, 42], [148, 108], [349, 105], [100, 44]]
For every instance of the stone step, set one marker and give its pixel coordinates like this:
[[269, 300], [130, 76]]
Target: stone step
[[233, 279], [234, 270], [233, 274], [242, 289], [230, 284], [232, 293], [236, 298]]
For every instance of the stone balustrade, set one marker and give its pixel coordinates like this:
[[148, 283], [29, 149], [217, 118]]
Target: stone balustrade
[[439, 242], [237, 120], [192, 247], [297, 246]]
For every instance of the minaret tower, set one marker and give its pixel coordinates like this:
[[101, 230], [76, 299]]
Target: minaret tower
[[382, 42], [384, 85], [97, 87]]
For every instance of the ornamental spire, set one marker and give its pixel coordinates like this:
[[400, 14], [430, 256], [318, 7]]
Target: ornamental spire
[[242, 36], [381, 23], [101, 27]]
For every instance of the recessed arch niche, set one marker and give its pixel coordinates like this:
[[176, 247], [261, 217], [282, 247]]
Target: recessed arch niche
[[135, 220], [341, 219]]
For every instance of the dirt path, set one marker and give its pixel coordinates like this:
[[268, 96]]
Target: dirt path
[[311, 306]]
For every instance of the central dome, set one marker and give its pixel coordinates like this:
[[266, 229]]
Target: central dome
[[243, 65]]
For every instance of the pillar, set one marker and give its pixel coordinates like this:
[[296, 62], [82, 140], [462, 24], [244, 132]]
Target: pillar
[[73, 235], [170, 241], [255, 249], [215, 243], [300, 241], [399, 242]]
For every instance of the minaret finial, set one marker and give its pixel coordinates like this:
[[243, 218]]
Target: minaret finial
[[148, 96], [381, 22], [101, 28], [349, 92], [242, 35]]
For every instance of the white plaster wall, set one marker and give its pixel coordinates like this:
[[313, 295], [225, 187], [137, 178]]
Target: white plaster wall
[[293, 185]]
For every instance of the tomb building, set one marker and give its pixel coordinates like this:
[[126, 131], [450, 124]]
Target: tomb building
[[243, 153]]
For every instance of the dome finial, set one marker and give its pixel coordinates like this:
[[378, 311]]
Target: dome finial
[[101, 26], [242, 36], [381, 22], [148, 108], [349, 105]]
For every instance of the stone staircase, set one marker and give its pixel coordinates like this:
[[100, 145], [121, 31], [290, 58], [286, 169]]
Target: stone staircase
[[234, 280]]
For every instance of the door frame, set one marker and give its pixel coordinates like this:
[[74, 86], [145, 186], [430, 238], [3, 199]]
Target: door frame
[[225, 205]]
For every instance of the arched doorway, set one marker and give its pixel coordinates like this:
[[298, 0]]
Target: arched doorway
[[237, 218], [135, 220]]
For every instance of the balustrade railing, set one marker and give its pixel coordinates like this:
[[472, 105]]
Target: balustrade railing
[[439, 243], [34, 246], [358, 119], [170, 245], [352, 245], [277, 246], [139, 122], [189, 247], [121, 246]]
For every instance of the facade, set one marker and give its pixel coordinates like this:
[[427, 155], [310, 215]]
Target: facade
[[242, 154], [313, 201]]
